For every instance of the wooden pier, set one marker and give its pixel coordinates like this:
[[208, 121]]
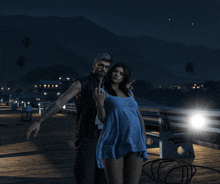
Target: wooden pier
[[48, 158]]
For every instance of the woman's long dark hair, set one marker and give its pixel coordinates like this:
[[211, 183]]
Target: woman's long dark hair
[[122, 85]]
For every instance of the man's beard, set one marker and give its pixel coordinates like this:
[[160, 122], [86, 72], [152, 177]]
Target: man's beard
[[101, 74]]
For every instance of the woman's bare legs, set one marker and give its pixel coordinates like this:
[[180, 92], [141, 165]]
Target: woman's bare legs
[[132, 168], [114, 170]]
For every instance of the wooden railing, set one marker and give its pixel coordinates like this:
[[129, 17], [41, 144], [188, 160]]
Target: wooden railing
[[69, 107]]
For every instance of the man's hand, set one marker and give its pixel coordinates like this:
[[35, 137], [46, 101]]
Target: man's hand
[[35, 127], [129, 86], [99, 95]]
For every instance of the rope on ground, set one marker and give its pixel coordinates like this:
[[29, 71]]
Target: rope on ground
[[187, 170]]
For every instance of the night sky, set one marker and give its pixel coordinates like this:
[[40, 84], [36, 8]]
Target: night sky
[[193, 23]]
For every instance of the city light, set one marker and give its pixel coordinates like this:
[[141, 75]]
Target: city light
[[64, 107], [29, 102], [58, 93], [45, 93], [197, 121]]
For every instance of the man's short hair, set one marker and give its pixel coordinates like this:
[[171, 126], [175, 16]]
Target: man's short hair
[[105, 57]]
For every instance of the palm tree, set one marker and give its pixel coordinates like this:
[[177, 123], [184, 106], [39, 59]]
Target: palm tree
[[21, 61], [26, 41], [189, 67]]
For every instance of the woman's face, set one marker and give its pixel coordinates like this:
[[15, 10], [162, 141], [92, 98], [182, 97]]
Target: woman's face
[[118, 75]]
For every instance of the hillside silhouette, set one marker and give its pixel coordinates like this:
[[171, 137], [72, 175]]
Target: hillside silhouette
[[75, 41]]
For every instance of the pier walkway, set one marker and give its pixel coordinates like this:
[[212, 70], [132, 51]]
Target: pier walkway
[[48, 158]]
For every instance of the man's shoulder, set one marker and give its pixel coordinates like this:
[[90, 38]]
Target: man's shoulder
[[86, 78], [86, 81]]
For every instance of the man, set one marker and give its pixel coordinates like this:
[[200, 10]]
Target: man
[[85, 166]]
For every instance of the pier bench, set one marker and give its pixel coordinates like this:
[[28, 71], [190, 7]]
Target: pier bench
[[160, 133], [172, 130]]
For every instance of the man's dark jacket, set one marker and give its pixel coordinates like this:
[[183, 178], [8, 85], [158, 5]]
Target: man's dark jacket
[[86, 109]]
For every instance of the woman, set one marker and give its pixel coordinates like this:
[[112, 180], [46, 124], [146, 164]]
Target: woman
[[121, 149]]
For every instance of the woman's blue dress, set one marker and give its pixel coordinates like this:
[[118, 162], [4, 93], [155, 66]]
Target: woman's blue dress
[[122, 131]]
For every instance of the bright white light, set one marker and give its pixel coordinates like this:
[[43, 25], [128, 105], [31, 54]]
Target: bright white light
[[2, 88], [22, 102], [58, 93], [169, 19], [8, 88], [29, 102], [64, 107], [38, 104], [45, 93], [197, 121]]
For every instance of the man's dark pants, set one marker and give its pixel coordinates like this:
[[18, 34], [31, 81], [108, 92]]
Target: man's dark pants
[[85, 165]]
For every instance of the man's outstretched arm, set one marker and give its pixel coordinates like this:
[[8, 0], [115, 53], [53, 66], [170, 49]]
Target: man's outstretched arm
[[55, 107]]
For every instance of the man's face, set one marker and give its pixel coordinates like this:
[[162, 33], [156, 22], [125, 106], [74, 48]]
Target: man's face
[[101, 68]]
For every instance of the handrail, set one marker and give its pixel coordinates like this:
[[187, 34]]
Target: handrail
[[174, 114], [178, 117]]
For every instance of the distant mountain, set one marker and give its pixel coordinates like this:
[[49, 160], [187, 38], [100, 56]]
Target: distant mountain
[[76, 41], [174, 57]]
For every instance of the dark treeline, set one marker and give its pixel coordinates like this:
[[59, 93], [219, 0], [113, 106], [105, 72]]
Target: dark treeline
[[50, 73], [207, 97]]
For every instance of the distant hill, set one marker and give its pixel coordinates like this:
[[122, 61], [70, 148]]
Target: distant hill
[[75, 42], [173, 57]]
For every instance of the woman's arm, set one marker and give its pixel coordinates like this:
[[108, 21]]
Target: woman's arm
[[99, 98], [101, 114], [143, 125]]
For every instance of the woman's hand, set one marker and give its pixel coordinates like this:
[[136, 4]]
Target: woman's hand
[[99, 96], [35, 127], [129, 86]]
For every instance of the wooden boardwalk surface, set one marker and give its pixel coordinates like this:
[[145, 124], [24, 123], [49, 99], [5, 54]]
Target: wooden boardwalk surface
[[48, 158]]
